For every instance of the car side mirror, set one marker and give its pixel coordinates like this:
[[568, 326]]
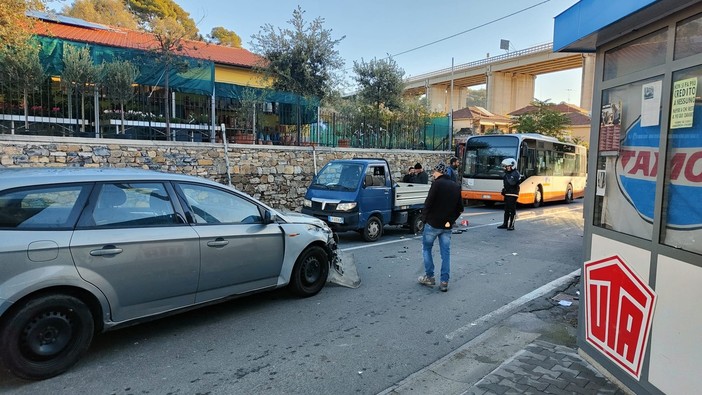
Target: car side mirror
[[269, 217]]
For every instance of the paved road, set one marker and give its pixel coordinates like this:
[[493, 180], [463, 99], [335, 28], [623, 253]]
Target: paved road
[[345, 341]]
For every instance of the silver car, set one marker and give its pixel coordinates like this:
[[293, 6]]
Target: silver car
[[84, 251]]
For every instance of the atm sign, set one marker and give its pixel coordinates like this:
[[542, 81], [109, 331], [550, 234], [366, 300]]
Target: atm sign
[[619, 308]]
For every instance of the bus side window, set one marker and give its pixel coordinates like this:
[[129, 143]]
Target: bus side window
[[531, 163], [541, 163]]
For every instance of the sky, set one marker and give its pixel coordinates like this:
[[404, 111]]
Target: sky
[[467, 30]]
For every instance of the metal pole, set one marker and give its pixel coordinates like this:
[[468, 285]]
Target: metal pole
[[212, 117], [226, 155], [254, 123], [96, 99], [450, 134]]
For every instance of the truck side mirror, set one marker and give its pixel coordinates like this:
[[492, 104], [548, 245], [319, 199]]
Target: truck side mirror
[[368, 181]]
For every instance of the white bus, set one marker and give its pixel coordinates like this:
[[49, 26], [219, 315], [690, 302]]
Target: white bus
[[551, 170]]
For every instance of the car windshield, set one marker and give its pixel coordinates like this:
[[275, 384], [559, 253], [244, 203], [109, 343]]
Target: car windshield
[[339, 176]]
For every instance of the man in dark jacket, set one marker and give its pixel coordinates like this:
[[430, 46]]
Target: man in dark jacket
[[442, 208], [454, 163], [420, 176], [510, 181]]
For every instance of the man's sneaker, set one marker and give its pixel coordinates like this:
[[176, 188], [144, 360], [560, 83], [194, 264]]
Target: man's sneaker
[[426, 280], [443, 286]]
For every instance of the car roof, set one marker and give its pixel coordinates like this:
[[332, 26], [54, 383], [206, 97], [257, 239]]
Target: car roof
[[15, 177]]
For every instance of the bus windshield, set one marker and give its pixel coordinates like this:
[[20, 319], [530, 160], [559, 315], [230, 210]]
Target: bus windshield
[[484, 155]]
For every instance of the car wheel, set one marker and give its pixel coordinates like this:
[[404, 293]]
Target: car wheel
[[310, 272], [373, 229], [569, 194], [538, 197], [416, 225], [46, 336]]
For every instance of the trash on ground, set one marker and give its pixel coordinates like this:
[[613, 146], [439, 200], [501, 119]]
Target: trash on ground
[[563, 297]]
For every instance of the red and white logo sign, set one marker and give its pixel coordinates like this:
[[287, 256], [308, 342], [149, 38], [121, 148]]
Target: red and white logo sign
[[619, 308]]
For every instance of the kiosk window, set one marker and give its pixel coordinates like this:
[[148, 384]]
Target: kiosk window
[[682, 211]]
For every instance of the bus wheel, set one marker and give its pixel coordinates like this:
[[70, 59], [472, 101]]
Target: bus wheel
[[569, 194], [538, 197]]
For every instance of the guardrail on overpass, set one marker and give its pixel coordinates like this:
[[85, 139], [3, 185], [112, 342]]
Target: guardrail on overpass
[[546, 48]]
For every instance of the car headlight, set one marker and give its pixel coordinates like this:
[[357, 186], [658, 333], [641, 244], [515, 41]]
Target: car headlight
[[307, 203], [346, 206]]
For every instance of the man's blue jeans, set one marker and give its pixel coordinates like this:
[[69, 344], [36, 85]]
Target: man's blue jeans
[[428, 236]]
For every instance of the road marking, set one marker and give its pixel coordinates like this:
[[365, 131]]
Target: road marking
[[544, 289], [529, 217]]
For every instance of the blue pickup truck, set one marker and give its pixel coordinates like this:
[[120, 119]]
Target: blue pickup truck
[[359, 194]]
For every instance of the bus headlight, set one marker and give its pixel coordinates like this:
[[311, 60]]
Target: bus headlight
[[346, 206]]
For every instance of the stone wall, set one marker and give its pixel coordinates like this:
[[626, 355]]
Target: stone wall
[[277, 175]]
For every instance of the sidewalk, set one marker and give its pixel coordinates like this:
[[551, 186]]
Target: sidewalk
[[532, 351]]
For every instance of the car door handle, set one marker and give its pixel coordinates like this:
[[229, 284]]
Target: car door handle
[[107, 250], [218, 242]]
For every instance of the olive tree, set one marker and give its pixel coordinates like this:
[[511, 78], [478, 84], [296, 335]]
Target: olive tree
[[380, 88], [79, 74], [170, 37], [302, 59], [117, 78], [21, 72]]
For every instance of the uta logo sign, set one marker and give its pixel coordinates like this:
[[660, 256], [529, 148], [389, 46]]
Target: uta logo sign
[[619, 308]]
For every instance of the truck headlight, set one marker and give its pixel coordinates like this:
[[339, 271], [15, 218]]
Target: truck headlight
[[307, 203], [346, 206]]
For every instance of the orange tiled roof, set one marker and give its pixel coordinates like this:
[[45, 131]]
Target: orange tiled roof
[[577, 115], [124, 38], [475, 112]]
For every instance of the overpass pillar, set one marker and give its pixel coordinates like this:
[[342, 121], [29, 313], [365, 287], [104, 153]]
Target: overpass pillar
[[440, 98], [507, 92], [587, 84]]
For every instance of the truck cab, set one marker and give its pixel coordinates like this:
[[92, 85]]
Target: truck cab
[[360, 195]]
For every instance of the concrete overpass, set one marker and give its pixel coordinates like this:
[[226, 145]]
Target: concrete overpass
[[510, 79]]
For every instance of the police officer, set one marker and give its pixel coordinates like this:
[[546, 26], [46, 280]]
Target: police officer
[[510, 181]]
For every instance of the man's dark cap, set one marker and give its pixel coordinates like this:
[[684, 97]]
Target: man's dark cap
[[418, 165]]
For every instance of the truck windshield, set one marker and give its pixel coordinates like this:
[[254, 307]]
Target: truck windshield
[[343, 176], [484, 155]]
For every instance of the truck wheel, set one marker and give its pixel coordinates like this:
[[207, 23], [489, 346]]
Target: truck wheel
[[416, 225], [310, 272], [373, 229], [46, 336]]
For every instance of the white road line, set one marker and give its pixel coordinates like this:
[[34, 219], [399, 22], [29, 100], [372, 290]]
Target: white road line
[[557, 283], [471, 227]]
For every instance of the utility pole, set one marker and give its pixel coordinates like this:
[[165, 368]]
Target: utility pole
[[450, 134]]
